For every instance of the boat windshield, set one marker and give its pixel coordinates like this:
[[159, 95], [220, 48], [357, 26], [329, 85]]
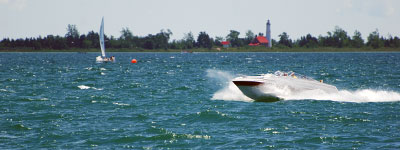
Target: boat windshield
[[292, 74]]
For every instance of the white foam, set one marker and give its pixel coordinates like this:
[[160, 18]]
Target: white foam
[[230, 90], [120, 104], [44, 99], [232, 93], [358, 96], [84, 87]]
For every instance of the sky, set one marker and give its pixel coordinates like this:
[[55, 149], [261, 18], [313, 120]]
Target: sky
[[33, 18]]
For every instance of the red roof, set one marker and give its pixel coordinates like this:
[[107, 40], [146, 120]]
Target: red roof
[[225, 42], [262, 39]]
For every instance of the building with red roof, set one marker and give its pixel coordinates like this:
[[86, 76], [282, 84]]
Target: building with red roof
[[259, 40], [225, 44]]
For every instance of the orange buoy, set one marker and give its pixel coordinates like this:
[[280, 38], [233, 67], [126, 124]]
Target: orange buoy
[[133, 61]]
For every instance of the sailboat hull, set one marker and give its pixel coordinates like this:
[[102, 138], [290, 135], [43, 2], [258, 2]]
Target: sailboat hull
[[101, 59]]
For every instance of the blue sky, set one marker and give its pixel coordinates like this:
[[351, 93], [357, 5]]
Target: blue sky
[[31, 18]]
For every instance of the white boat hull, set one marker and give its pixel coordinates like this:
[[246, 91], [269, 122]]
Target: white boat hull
[[256, 93], [254, 90], [271, 88], [101, 59]]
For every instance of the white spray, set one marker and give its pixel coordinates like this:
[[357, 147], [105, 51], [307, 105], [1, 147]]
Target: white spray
[[230, 90]]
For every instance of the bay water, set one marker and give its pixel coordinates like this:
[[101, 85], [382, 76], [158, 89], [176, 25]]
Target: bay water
[[187, 101]]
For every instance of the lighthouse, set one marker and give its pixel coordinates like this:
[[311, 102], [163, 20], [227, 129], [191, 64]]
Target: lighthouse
[[268, 34]]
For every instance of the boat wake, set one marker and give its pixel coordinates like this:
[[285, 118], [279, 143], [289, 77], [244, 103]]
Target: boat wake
[[231, 92]]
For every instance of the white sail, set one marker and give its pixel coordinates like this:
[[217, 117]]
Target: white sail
[[103, 49]]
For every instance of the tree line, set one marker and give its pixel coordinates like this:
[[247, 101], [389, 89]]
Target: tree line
[[338, 38]]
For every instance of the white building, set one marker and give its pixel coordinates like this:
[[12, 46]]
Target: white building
[[268, 34]]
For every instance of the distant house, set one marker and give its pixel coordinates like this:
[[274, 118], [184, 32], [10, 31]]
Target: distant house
[[259, 40], [225, 44]]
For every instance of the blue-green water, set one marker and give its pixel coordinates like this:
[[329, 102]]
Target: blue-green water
[[185, 101]]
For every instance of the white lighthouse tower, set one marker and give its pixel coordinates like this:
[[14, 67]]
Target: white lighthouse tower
[[268, 34]]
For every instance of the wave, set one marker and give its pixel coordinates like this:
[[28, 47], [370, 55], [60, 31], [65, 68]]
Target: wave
[[230, 92], [84, 87]]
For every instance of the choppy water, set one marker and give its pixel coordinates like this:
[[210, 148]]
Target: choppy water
[[174, 100]]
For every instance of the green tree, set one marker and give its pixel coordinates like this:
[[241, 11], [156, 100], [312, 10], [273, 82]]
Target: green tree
[[48, 42], [188, 40], [338, 38], [37, 45], [80, 41], [341, 38], [357, 40], [149, 42], [308, 41], [374, 41], [72, 36], [218, 41], [203, 40], [126, 38], [284, 40], [162, 38], [233, 37], [72, 31], [93, 37], [5, 43], [86, 44], [114, 43], [59, 43], [392, 42], [249, 37], [396, 42], [126, 34], [175, 45]]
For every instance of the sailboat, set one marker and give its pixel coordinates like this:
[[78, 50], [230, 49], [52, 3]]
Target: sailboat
[[103, 57]]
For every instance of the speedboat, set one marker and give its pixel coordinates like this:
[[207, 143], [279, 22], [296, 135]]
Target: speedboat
[[274, 87]]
